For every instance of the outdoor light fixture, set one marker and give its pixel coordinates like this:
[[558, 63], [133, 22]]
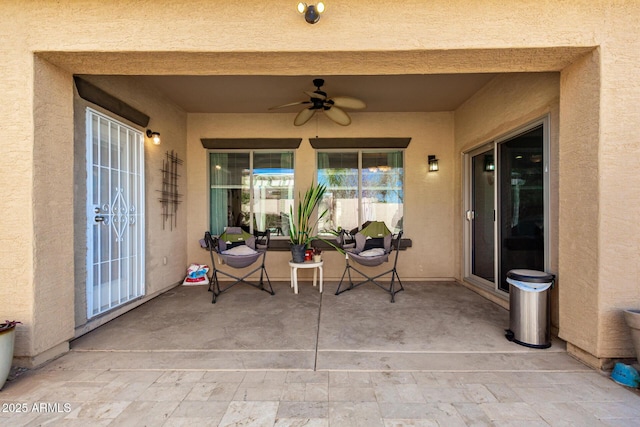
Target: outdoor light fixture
[[155, 136], [489, 165], [433, 163], [311, 12]]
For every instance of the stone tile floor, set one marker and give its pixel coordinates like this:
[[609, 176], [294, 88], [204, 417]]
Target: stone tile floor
[[147, 383]]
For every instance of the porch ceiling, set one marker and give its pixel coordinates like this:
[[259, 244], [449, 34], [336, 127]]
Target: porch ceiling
[[251, 82]]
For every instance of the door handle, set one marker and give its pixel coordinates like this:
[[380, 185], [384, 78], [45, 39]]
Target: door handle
[[470, 215], [98, 218]]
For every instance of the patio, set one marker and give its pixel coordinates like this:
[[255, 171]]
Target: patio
[[437, 356]]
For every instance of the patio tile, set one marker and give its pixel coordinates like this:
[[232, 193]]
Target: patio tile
[[410, 423], [257, 393], [200, 410], [293, 392], [180, 377], [386, 393], [303, 410], [566, 414], [315, 392], [98, 410], [612, 410], [441, 413], [352, 394], [518, 411], [410, 393], [472, 415], [121, 391], [203, 391], [302, 422], [223, 391], [392, 378], [223, 376], [307, 377], [355, 414], [165, 392], [503, 393], [250, 414], [153, 413]]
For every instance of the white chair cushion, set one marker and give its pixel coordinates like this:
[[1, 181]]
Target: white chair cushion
[[239, 250], [372, 252]]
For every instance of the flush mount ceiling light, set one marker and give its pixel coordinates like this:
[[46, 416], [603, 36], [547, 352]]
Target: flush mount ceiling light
[[155, 136], [311, 12]]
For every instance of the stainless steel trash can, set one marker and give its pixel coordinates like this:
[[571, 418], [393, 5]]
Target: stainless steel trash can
[[529, 316]]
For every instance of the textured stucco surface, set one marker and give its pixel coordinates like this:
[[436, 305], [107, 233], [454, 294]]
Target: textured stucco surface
[[598, 239]]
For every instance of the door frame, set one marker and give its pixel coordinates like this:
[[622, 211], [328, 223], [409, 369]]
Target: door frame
[[140, 215], [494, 143]]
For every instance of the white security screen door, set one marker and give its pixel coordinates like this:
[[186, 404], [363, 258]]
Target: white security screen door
[[115, 213]]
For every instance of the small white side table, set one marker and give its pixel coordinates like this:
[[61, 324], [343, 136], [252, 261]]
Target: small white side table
[[307, 264]]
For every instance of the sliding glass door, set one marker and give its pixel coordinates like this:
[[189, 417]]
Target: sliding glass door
[[522, 208], [481, 215], [506, 207]]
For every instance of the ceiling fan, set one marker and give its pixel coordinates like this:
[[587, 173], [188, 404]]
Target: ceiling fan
[[332, 107]]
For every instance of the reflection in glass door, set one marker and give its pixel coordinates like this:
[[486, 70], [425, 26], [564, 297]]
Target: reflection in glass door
[[522, 212], [481, 216]]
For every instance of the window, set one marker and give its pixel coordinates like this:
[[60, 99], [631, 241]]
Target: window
[[252, 190], [361, 186]]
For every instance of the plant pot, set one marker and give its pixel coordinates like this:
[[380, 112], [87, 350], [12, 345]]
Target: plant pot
[[297, 253], [317, 258], [7, 336], [632, 317]]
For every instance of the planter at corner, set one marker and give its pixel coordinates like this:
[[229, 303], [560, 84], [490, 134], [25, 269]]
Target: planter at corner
[[7, 336], [297, 253], [632, 317]]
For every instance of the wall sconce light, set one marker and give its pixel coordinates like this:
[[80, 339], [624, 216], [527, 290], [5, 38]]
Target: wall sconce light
[[489, 165], [155, 136], [311, 12], [433, 163]]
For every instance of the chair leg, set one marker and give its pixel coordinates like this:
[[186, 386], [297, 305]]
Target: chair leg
[[264, 270], [394, 275], [391, 289], [346, 269], [215, 286]]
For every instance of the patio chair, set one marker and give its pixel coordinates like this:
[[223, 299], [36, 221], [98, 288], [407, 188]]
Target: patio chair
[[371, 247], [238, 249]]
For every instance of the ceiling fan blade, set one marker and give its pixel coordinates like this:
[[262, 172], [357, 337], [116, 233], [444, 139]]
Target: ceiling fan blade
[[304, 116], [348, 102], [291, 104], [316, 95], [338, 116]]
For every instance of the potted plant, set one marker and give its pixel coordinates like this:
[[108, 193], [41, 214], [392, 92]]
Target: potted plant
[[301, 225], [7, 336], [317, 254]]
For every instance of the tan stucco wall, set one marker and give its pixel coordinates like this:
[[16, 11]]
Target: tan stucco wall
[[505, 104], [163, 238], [353, 37], [428, 209]]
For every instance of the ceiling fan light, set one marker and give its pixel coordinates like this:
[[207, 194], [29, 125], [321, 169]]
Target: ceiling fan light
[[302, 7], [320, 7]]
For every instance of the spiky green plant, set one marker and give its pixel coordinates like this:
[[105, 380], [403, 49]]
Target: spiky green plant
[[301, 225]]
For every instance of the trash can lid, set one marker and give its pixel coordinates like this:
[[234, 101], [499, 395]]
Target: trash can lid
[[530, 276]]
